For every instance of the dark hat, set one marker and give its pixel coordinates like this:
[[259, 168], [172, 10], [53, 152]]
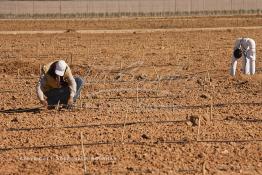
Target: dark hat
[[238, 53]]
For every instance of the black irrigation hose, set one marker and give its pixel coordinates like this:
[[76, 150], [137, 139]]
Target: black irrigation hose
[[21, 110], [7, 91], [198, 106], [39, 109], [97, 125], [182, 142], [116, 125], [131, 97], [172, 78]]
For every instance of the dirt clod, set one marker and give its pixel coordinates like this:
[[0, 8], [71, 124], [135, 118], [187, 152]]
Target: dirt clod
[[145, 136], [14, 120], [205, 96], [130, 168], [193, 120], [14, 97]]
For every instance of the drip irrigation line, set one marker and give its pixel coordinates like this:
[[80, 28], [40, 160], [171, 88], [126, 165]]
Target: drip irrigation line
[[131, 97], [117, 125], [196, 106], [130, 90], [9, 91], [150, 144], [141, 106], [42, 108], [98, 125], [21, 110], [133, 81]]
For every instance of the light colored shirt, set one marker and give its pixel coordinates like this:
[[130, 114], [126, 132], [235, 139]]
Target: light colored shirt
[[245, 44], [47, 82], [248, 46]]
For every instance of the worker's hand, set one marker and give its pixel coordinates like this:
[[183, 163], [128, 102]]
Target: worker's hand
[[44, 102], [70, 101]]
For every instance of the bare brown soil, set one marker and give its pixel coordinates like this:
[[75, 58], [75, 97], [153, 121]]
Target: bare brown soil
[[132, 23], [153, 103]]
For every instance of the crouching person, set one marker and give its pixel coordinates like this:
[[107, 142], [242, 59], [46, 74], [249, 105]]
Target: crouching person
[[246, 48], [58, 85]]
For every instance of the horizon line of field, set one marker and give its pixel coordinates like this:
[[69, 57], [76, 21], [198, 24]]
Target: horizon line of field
[[112, 31]]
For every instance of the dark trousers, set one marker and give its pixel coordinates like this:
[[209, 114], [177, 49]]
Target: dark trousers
[[62, 94]]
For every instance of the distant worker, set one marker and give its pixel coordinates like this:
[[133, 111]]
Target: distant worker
[[246, 48], [58, 85]]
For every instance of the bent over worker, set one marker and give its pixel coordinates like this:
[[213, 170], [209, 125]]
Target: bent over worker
[[246, 48], [58, 85]]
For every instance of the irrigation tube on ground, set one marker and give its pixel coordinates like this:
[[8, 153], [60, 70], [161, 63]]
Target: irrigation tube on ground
[[64, 146]]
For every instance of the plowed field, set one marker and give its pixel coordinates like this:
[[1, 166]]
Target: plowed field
[[154, 102]]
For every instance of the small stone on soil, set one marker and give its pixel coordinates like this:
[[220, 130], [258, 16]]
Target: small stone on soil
[[206, 96], [14, 120], [189, 123], [14, 97], [194, 120], [130, 168], [144, 136]]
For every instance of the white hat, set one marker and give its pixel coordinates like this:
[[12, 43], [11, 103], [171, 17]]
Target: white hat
[[60, 68]]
